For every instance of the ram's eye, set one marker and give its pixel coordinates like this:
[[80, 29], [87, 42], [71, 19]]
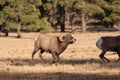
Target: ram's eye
[[63, 37]]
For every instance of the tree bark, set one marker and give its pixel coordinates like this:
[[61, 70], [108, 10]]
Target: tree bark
[[19, 31], [83, 18], [72, 20], [84, 28], [6, 32], [62, 26], [67, 18], [62, 23]]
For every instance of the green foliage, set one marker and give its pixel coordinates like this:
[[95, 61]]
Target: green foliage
[[1, 17], [92, 9], [67, 4], [34, 15], [29, 18], [47, 6], [11, 25], [25, 12], [112, 11], [107, 19], [31, 27], [36, 2], [50, 7], [115, 17], [43, 25]]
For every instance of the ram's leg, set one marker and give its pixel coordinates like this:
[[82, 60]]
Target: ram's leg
[[34, 52], [40, 55], [55, 58], [102, 56]]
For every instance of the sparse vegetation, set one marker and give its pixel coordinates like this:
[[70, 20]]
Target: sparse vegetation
[[82, 61]]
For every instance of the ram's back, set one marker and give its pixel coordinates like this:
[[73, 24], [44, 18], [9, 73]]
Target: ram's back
[[47, 42], [108, 43]]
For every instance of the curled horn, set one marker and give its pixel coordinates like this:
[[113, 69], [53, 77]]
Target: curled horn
[[62, 37]]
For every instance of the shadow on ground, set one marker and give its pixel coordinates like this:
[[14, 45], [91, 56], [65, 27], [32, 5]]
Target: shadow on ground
[[29, 62], [56, 76]]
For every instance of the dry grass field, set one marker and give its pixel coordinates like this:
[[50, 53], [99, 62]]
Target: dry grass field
[[80, 61]]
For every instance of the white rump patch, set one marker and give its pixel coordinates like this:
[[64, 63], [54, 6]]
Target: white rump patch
[[36, 38], [99, 43]]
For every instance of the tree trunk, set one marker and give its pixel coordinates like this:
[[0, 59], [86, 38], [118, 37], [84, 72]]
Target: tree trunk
[[67, 18], [18, 31], [83, 18], [111, 25], [53, 22], [6, 32], [62, 26], [83, 23], [72, 20], [62, 23]]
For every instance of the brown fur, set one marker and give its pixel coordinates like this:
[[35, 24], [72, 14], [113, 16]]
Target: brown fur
[[52, 44]]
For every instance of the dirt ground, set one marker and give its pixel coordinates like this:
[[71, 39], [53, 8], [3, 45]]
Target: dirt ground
[[80, 61]]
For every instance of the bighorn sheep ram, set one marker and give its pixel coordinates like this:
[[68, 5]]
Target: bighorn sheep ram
[[52, 44], [108, 43]]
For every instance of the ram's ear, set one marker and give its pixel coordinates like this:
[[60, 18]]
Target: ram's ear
[[62, 37]]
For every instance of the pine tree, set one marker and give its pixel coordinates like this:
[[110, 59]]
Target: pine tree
[[112, 12], [86, 9], [22, 14]]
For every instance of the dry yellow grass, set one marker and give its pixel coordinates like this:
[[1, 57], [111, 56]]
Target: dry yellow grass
[[79, 61]]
